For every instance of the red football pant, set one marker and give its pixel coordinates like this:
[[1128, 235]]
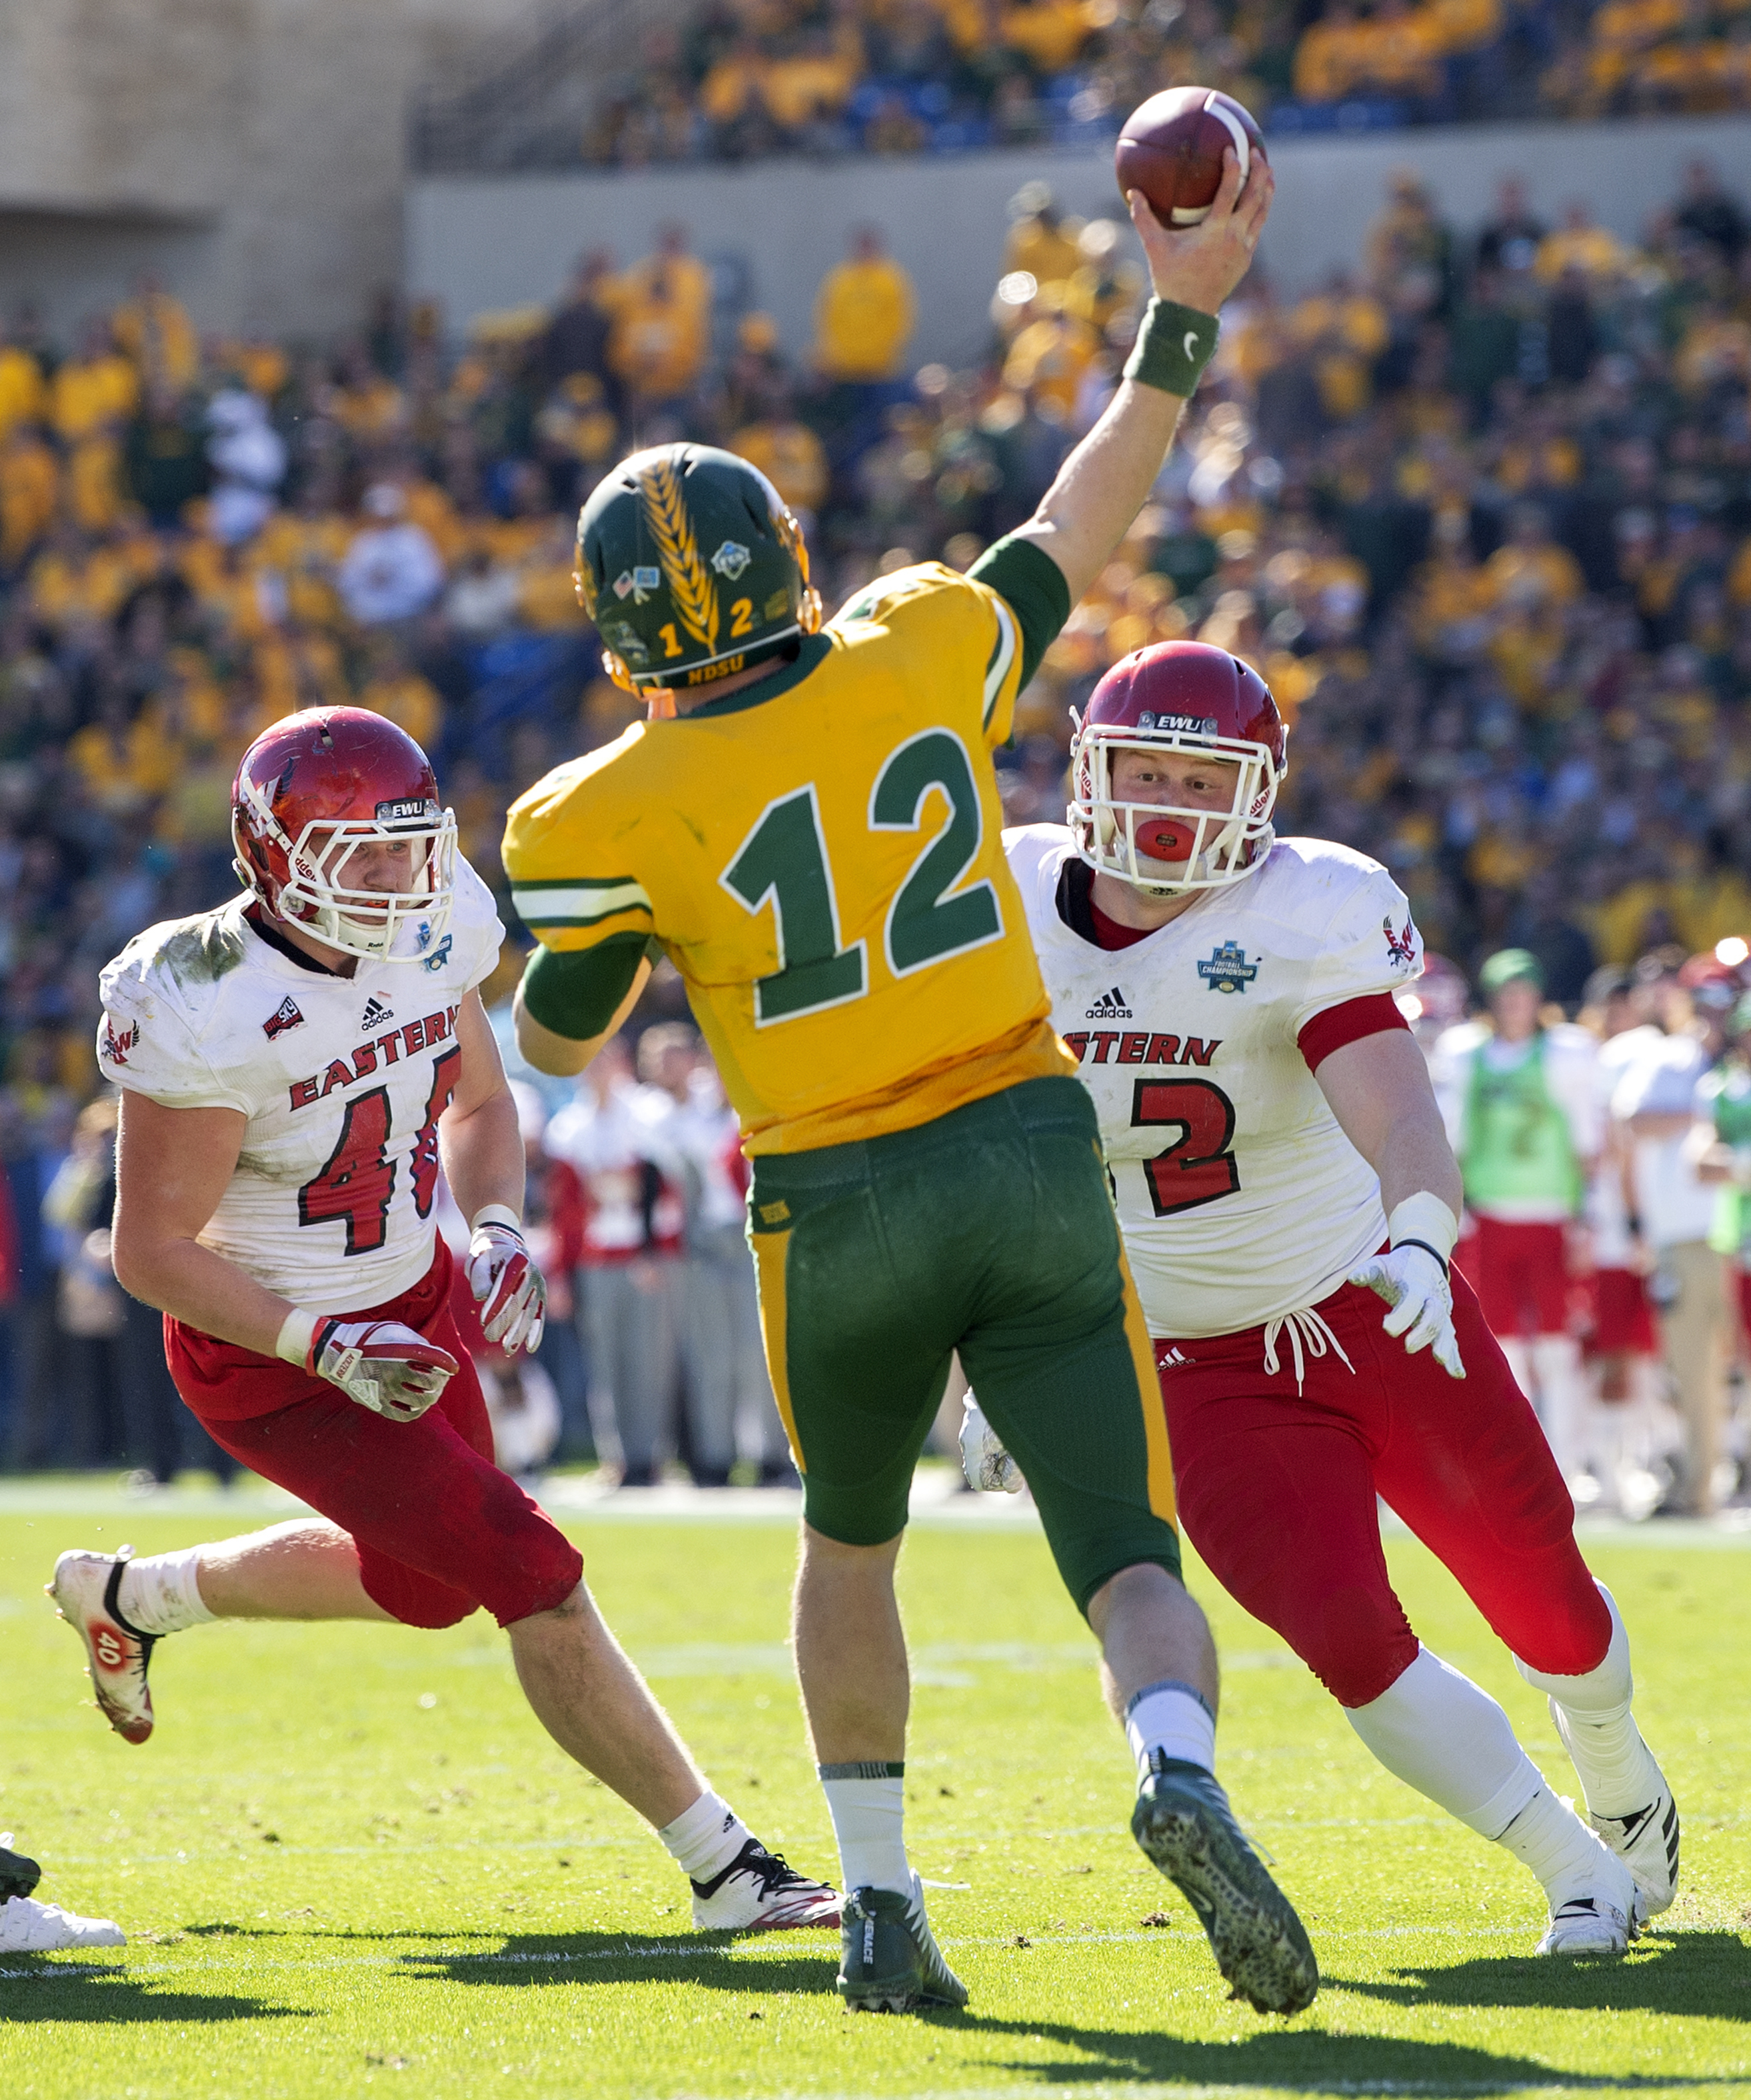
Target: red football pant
[[1622, 1322], [1277, 1490], [1520, 1274], [438, 1529]]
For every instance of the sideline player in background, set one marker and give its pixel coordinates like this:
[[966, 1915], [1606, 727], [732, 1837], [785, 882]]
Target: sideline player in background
[[809, 827], [1521, 1104], [1280, 1166], [296, 1067], [1621, 1348]]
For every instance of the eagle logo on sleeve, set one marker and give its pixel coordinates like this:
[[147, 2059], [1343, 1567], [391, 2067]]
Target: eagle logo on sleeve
[[1401, 948], [117, 1042]]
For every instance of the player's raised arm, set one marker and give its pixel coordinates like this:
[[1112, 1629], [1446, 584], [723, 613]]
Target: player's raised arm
[[1104, 483]]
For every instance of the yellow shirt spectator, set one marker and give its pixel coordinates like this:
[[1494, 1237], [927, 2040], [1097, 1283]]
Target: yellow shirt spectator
[[88, 392], [154, 331], [1398, 49], [1524, 575], [368, 406], [1351, 318], [863, 314], [94, 485], [662, 322], [1463, 25], [1630, 26], [24, 397], [808, 86], [1578, 245], [732, 85], [69, 582], [790, 455], [1049, 358], [30, 480], [1330, 57], [123, 764], [409, 701], [1619, 926], [548, 600], [1697, 77], [1049, 34], [1036, 245]]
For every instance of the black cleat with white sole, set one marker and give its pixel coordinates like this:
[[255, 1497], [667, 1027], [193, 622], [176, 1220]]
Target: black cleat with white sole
[[1184, 1823], [18, 1875], [889, 1961]]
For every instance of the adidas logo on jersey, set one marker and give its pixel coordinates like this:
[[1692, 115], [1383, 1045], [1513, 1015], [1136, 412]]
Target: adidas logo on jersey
[[1166, 1358], [285, 1016], [376, 1013], [1109, 1006]]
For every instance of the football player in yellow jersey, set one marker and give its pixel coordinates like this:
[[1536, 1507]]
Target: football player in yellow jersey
[[809, 826]]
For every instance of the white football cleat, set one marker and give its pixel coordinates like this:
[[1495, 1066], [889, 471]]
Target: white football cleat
[[1645, 1840], [1587, 1925], [758, 1891], [85, 1587], [29, 1927]]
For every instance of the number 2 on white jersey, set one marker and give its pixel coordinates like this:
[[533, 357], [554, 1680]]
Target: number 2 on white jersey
[[1199, 1169]]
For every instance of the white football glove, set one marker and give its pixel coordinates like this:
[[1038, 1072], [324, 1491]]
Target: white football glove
[[988, 1466], [507, 1287], [382, 1365], [1414, 1283]]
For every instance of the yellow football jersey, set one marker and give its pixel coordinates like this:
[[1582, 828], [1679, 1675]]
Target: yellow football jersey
[[820, 856]]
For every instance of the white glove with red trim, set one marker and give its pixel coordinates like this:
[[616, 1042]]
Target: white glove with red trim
[[382, 1365], [988, 1466], [506, 1284]]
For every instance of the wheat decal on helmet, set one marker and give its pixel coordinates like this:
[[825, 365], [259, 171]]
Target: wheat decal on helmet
[[690, 587]]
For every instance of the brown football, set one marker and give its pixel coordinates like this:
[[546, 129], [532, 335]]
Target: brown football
[[1171, 149]]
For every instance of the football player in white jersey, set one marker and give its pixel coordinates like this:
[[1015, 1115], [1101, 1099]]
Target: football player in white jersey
[[1280, 1166], [296, 1068]]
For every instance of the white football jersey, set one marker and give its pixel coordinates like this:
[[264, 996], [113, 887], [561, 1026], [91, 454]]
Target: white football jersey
[[1239, 1196], [342, 1079]]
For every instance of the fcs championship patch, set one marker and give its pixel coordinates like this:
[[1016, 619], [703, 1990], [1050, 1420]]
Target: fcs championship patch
[[1228, 969]]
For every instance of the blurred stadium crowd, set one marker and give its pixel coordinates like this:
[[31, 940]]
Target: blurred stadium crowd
[[1480, 511], [745, 77]]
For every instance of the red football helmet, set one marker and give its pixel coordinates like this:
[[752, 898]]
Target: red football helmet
[[312, 790], [1180, 696]]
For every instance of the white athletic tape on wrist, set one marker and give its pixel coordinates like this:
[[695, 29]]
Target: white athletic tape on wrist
[[495, 1214], [298, 1330], [1425, 1218]]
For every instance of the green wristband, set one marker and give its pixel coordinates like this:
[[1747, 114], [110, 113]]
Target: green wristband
[[1173, 346]]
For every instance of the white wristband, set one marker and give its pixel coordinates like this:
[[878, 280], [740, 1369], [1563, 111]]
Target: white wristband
[[495, 1214], [298, 1330], [1426, 1218]]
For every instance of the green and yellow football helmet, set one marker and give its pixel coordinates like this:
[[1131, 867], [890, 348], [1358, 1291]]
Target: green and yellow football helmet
[[692, 568]]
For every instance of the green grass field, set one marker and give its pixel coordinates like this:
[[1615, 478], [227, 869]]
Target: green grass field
[[349, 1860]]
